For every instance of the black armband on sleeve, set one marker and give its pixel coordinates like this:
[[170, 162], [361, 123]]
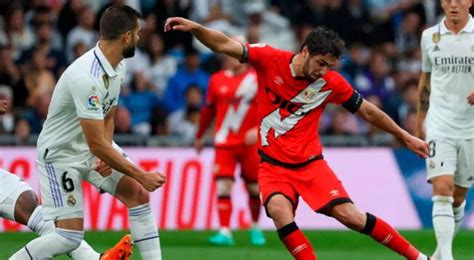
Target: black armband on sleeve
[[245, 54], [354, 102]]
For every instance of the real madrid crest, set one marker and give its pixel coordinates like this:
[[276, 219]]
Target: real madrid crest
[[71, 201], [436, 38], [105, 78]]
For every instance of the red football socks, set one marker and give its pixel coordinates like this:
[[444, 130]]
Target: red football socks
[[224, 208], [296, 242], [383, 233], [254, 205]]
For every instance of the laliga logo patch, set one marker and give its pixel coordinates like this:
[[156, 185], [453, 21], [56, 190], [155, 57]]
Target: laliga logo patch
[[93, 102]]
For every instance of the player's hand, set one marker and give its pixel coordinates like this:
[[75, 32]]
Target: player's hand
[[152, 180], [251, 136], [417, 145], [102, 168], [198, 145], [3, 107], [470, 98], [179, 24]]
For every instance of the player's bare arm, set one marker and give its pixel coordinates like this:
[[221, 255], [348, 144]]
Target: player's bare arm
[[3, 107], [109, 124], [424, 90], [94, 131], [370, 113], [214, 40]]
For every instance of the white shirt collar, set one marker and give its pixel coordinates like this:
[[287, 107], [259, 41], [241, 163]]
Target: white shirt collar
[[103, 62]]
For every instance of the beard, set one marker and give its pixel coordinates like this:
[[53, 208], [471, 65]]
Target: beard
[[129, 51]]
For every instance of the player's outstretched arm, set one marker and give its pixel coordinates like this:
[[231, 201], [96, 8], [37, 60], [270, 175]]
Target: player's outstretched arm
[[372, 114], [424, 89], [214, 40], [100, 147]]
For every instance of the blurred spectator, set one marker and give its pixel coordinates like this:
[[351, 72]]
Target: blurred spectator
[[356, 61], [79, 49], [83, 32], [22, 132], [361, 27], [123, 121], [189, 74], [7, 121], [44, 15], [410, 100], [274, 29], [162, 65], [141, 102], [342, 123], [186, 130], [39, 80], [193, 98], [55, 59], [16, 34], [37, 115], [376, 81], [407, 35], [169, 8], [68, 16], [315, 12]]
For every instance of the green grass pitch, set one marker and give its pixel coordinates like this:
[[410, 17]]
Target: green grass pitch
[[190, 245]]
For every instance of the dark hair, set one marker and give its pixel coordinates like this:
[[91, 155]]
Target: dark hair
[[323, 40], [116, 20]]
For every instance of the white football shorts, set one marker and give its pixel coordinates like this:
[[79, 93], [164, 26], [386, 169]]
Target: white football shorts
[[451, 157]]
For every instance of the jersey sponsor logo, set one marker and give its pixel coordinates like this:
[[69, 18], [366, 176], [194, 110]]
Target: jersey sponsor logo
[[107, 105], [93, 102], [235, 115], [289, 113]]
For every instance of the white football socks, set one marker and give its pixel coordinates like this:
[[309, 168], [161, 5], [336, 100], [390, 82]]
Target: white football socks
[[443, 224], [145, 232]]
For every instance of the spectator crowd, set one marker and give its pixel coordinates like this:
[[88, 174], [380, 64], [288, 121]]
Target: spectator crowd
[[168, 76]]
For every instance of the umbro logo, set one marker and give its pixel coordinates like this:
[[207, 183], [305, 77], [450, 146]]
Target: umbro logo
[[278, 80], [436, 48], [299, 249], [334, 193]]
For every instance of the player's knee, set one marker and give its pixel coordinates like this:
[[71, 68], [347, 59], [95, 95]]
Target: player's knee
[[279, 208], [443, 189], [443, 186], [137, 196], [252, 188], [25, 205], [224, 186]]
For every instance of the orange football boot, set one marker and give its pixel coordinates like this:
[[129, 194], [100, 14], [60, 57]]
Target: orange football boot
[[121, 251]]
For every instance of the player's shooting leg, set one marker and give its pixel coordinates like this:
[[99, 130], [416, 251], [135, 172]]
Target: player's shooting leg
[[25, 206], [280, 209], [142, 224], [366, 223]]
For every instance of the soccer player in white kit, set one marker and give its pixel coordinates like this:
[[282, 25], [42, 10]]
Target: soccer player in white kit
[[79, 127], [446, 98], [19, 203]]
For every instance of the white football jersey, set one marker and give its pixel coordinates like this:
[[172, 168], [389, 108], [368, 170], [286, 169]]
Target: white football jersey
[[88, 89], [450, 59]]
